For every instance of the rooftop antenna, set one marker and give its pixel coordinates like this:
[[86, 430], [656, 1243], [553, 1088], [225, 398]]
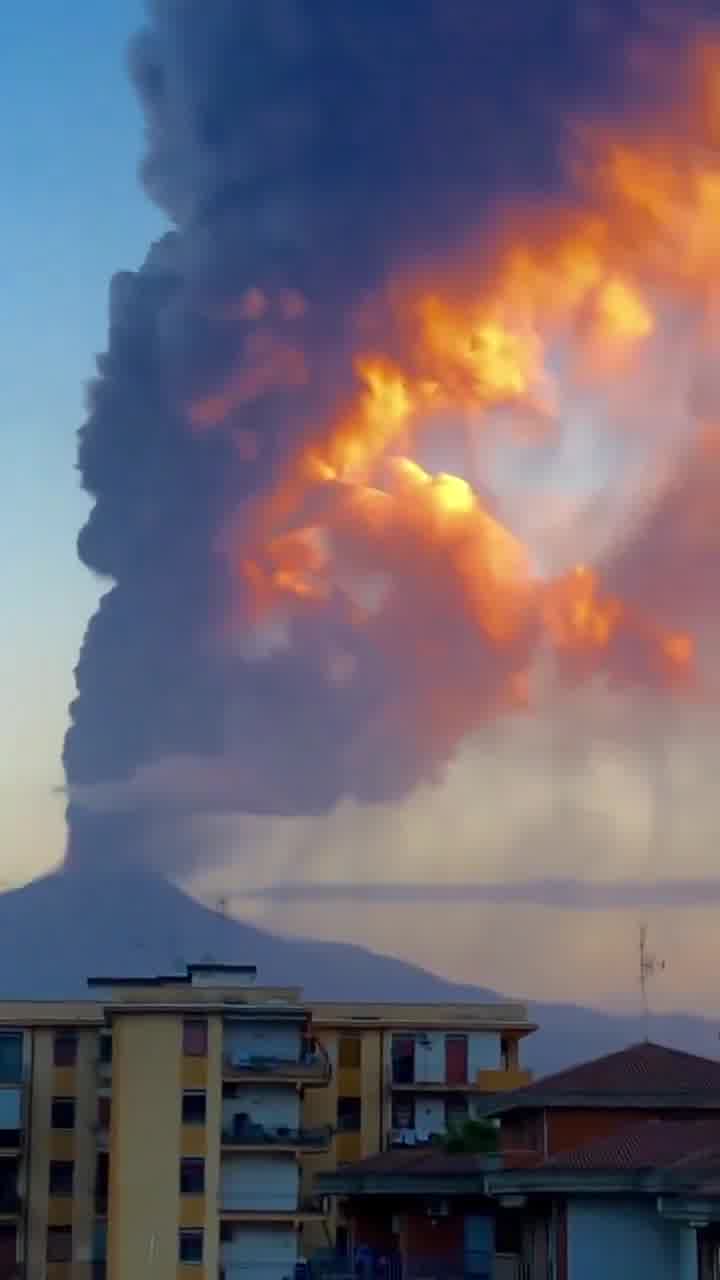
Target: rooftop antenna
[[650, 965]]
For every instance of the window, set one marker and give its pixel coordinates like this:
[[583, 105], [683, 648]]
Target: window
[[195, 1037], [190, 1246], [62, 1113], [11, 1054], [349, 1115], [61, 1177], [59, 1244], [456, 1059], [456, 1113], [403, 1059], [104, 1112], [403, 1112], [350, 1051], [192, 1177], [65, 1048], [105, 1048], [194, 1105]]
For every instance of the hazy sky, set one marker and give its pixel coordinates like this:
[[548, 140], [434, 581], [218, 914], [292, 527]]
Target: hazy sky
[[73, 213]]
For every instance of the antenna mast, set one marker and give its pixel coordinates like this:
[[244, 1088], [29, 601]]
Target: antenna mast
[[650, 965]]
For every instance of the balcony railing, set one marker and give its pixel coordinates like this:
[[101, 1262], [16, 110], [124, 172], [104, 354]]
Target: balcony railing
[[247, 1134], [269, 1204], [314, 1068]]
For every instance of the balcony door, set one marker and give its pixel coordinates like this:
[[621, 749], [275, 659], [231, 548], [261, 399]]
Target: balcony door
[[456, 1059]]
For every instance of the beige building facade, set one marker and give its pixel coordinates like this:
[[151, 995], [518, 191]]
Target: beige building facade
[[171, 1128]]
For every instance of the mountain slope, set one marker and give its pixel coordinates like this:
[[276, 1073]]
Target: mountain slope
[[58, 930]]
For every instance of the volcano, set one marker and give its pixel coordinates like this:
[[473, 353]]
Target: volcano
[[62, 928]]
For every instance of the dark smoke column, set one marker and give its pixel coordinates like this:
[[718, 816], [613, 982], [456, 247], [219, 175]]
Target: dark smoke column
[[301, 145]]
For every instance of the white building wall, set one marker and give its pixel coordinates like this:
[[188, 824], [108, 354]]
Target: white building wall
[[429, 1057], [259, 1253], [243, 1040], [627, 1239], [259, 1182], [274, 1107], [429, 1115]]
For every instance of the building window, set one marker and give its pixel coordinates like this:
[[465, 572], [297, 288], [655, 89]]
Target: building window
[[195, 1037], [194, 1106], [11, 1054], [65, 1048], [192, 1177], [350, 1051], [456, 1113], [190, 1247], [456, 1059], [105, 1048], [61, 1177], [102, 1183], [349, 1115], [403, 1112], [62, 1113], [403, 1059], [104, 1112], [59, 1244]]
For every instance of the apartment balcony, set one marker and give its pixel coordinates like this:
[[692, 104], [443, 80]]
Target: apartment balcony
[[264, 1207], [248, 1137], [314, 1069]]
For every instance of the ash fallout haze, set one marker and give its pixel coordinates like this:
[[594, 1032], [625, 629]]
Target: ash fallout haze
[[404, 455]]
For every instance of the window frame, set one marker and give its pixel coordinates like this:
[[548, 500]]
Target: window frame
[[65, 1036], [342, 1126], [195, 1094], [56, 1234], [62, 1100], [63, 1192], [185, 1234], [186, 1164], [190, 1027]]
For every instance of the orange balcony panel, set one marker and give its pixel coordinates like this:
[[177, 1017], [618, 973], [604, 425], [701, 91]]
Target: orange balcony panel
[[499, 1080]]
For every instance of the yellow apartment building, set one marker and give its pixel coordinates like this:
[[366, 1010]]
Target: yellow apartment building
[[170, 1128]]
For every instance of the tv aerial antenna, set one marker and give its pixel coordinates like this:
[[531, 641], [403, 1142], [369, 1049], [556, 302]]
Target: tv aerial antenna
[[650, 966]]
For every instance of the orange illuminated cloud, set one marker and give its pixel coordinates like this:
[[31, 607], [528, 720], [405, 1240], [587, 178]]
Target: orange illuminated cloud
[[590, 294]]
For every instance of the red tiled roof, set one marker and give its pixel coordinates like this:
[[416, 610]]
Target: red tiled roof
[[656, 1144], [641, 1071]]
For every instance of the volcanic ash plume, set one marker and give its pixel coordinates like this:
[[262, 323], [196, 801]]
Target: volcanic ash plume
[[412, 420]]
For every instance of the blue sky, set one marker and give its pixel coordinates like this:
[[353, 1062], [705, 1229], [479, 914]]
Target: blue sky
[[72, 212]]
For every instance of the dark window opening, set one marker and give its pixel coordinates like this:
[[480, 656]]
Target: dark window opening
[[59, 1244], [62, 1173], [403, 1060], [403, 1113], [349, 1115], [62, 1113], [105, 1048], [104, 1112], [65, 1047], [11, 1055], [192, 1177], [194, 1106], [456, 1059], [195, 1037], [190, 1247], [102, 1183]]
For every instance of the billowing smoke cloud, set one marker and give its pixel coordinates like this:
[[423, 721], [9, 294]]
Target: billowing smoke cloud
[[305, 152]]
